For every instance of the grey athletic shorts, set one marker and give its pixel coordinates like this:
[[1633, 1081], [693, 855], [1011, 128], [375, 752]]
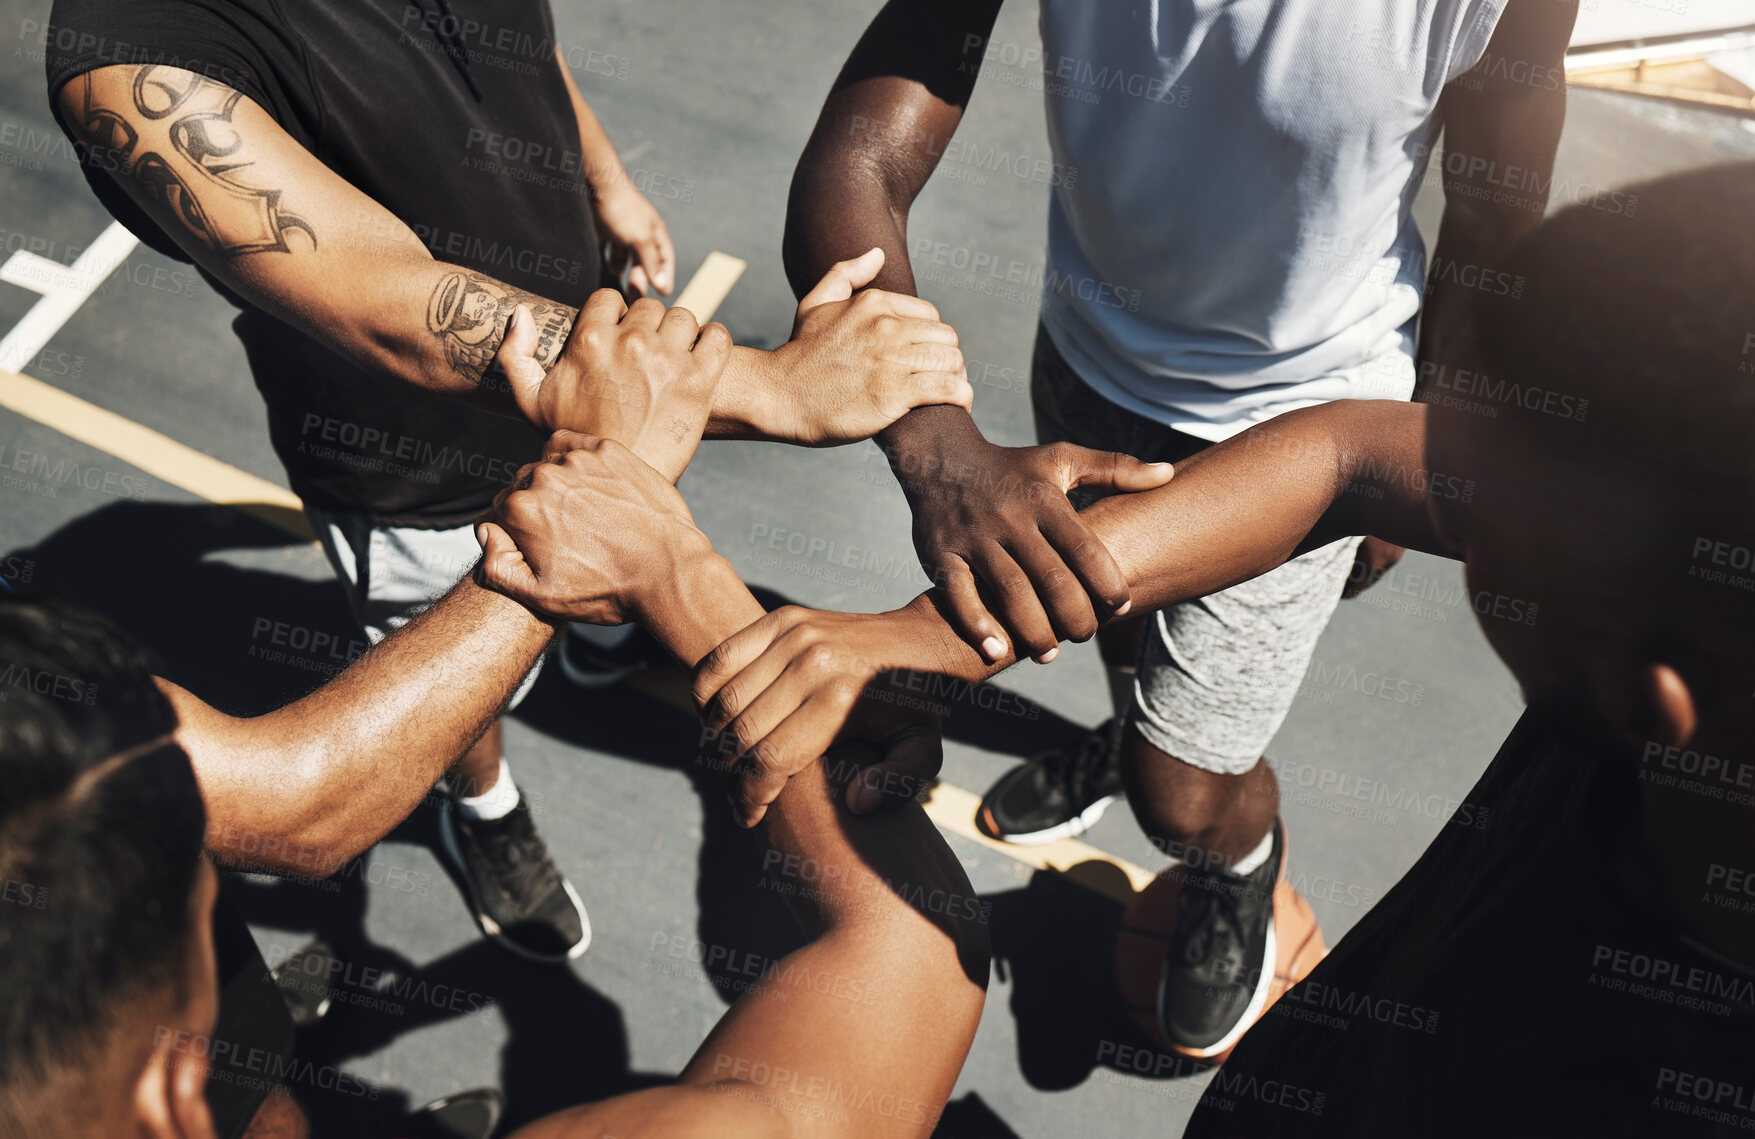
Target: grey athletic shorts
[[391, 573], [1218, 674]]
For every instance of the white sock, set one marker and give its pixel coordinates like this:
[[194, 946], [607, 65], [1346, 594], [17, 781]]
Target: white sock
[[605, 637], [1253, 861], [494, 803]]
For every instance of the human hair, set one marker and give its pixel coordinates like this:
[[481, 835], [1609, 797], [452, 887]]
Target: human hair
[[101, 830], [1645, 311]]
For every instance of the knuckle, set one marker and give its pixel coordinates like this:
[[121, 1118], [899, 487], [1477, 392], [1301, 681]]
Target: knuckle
[[1081, 626], [820, 658], [728, 702], [768, 757]]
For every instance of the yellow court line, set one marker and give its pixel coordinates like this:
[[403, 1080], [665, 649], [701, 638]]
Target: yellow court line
[[951, 808], [710, 285], [157, 454]]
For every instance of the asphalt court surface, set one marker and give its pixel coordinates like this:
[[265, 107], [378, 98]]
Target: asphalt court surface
[[709, 105]]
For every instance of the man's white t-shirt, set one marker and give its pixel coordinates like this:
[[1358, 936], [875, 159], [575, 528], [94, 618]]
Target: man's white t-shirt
[[1235, 239]]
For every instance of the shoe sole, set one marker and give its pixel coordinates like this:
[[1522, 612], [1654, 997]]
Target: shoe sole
[[1072, 828], [490, 927], [1258, 1000]]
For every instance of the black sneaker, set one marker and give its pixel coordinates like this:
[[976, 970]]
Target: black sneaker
[[1056, 794], [518, 894], [590, 665], [303, 980], [1221, 959], [473, 1114]]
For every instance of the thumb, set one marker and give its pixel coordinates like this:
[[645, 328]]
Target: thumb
[[517, 360], [1113, 470], [842, 278], [503, 566]]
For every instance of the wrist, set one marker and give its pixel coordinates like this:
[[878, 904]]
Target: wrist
[[756, 398], [700, 602], [934, 646], [917, 443]]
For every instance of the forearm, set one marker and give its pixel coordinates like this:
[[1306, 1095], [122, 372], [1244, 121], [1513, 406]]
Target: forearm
[[308, 787], [603, 166], [703, 603], [1241, 508], [436, 326], [879, 1010], [749, 402]]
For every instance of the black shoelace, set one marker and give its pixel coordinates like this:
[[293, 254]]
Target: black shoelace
[[520, 860], [1211, 918], [1081, 769]]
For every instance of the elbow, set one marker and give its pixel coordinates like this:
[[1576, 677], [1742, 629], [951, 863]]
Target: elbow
[[283, 825]]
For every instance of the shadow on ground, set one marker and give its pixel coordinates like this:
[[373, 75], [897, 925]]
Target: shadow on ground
[[248, 639]]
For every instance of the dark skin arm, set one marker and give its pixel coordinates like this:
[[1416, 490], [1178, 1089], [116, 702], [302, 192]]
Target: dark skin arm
[[991, 524], [884, 987], [791, 681], [1508, 111]]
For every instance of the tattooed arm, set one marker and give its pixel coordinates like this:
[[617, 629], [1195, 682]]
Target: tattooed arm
[[263, 215], [297, 240]]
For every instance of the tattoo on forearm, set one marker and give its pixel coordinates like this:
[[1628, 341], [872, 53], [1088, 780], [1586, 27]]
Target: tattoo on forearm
[[468, 312], [180, 146]]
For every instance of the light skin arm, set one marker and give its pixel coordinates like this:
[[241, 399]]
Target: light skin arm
[[860, 1033], [626, 218], [992, 524], [307, 788], [792, 682], [282, 230]]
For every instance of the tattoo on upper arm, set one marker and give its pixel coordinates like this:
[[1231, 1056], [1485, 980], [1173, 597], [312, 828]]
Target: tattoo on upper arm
[[179, 144], [468, 312]]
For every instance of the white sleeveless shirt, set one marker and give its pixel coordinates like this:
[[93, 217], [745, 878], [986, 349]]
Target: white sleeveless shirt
[[1234, 238]]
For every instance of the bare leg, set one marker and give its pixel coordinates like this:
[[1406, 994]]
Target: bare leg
[[1183, 808], [479, 769]]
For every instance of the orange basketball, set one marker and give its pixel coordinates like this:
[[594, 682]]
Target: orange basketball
[[1144, 940]]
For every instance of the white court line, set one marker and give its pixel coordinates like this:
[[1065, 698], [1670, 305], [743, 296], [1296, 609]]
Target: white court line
[[951, 808], [64, 289]]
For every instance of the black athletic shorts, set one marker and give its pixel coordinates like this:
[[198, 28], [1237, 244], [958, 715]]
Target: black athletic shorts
[[253, 1037]]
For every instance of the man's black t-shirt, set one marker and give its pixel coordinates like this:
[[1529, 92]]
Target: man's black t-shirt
[[1512, 983], [454, 115]]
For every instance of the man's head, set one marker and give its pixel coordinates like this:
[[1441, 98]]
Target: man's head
[[105, 949], [1616, 479]]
